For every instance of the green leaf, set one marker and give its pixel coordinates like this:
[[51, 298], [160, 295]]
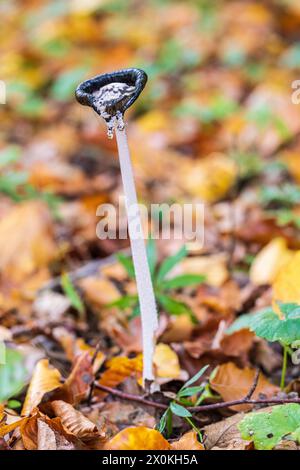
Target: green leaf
[[14, 404], [190, 391], [165, 421], [127, 301], [169, 263], [12, 375], [183, 280], [179, 410], [151, 255], [127, 263], [135, 312], [172, 306], [266, 429], [72, 294], [9, 154], [267, 324], [195, 377]]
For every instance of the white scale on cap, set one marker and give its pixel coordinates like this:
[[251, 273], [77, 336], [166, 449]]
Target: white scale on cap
[[104, 99]]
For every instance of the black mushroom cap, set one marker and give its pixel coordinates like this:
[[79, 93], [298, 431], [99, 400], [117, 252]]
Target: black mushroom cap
[[86, 92]]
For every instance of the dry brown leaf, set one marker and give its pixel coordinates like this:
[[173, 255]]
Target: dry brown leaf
[[269, 261], [166, 362], [233, 383], [188, 441], [75, 422], [78, 383], [26, 233], [45, 437], [139, 438], [44, 379], [225, 435]]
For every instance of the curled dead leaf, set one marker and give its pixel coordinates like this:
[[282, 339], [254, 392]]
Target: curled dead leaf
[[75, 422]]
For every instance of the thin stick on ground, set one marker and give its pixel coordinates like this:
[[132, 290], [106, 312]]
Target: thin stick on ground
[[201, 408]]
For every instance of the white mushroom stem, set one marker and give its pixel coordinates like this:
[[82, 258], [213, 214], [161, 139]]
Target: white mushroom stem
[[139, 255]]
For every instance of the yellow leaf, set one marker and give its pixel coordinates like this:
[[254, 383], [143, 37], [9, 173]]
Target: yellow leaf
[[166, 362], [44, 379], [286, 287], [139, 438], [269, 260], [210, 178]]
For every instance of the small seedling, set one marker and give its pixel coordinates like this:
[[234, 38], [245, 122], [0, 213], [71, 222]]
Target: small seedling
[[110, 95], [267, 324], [182, 400], [72, 294], [163, 286]]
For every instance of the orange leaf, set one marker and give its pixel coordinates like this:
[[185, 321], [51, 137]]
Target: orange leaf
[[119, 369], [233, 383], [139, 438], [44, 379], [188, 441]]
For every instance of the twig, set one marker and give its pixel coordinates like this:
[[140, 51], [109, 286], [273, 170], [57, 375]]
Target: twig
[[197, 409], [128, 396], [254, 385]]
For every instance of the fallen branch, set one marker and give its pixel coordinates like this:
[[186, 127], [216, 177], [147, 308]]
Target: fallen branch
[[198, 409]]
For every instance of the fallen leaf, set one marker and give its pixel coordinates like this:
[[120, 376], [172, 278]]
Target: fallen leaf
[[139, 438], [286, 287], [44, 379], [78, 383], [225, 435], [210, 178], [46, 437], [75, 422], [188, 441], [166, 362], [233, 383], [119, 369], [23, 254], [213, 267], [269, 261]]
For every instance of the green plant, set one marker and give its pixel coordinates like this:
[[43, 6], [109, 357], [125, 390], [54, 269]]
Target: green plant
[[182, 400], [280, 201], [163, 286], [72, 294], [267, 324], [13, 375], [266, 429]]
